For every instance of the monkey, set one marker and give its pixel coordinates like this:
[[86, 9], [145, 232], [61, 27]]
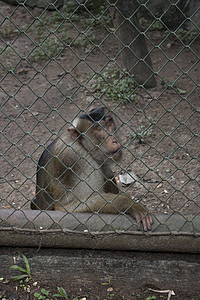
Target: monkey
[[74, 172]]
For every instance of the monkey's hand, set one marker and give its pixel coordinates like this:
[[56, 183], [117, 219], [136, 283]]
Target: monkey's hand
[[141, 216], [113, 204], [124, 202]]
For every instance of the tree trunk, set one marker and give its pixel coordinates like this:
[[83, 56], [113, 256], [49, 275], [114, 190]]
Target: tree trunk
[[134, 51]]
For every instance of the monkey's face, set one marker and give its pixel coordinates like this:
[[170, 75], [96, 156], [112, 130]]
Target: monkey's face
[[97, 133], [102, 141]]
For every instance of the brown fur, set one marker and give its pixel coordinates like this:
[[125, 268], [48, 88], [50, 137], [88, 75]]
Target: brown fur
[[74, 172]]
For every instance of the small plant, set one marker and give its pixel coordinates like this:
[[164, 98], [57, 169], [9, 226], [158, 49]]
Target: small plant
[[141, 134], [45, 24], [26, 272], [44, 295], [116, 84], [50, 48], [58, 22], [62, 293], [8, 30], [107, 282], [103, 15], [151, 298], [186, 36], [173, 85], [85, 39], [58, 25], [155, 25]]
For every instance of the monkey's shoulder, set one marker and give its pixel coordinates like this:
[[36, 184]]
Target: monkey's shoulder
[[48, 154], [64, 153]]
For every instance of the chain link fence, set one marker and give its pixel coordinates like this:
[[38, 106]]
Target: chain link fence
[[140, 59]]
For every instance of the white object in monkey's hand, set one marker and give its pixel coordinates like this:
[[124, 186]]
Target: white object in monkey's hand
[[126, 179]]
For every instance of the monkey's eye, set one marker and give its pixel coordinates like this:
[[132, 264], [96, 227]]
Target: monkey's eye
[[98, 127], [109, 122]]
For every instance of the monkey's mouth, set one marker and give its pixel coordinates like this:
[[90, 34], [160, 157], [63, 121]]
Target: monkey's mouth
[[114, 153]]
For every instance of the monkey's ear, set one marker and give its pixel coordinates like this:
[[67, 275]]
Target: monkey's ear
[[73, 133]]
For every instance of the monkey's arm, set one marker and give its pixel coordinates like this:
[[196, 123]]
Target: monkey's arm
[[111, 204]]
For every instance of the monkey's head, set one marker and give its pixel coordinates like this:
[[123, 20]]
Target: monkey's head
[[97, 132]]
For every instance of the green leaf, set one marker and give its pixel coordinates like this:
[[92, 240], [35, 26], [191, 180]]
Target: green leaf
[[181, 91], [18, 268], [43, 291], [36, 295], [62, 292], [39, 296], [28, 270], [19, 277]]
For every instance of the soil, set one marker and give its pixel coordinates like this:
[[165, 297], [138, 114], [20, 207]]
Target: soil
[[39, 99], [101, 291], [92, 288]]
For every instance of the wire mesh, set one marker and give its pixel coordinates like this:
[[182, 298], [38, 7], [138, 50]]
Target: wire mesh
[[56, 64]]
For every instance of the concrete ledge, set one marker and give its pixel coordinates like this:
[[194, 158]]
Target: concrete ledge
[[170, 233]]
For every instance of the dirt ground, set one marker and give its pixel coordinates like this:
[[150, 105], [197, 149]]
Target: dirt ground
[[101, 291], [106, 287], [40, 98]]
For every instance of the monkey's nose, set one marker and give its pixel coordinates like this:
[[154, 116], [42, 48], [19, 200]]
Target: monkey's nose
[[115, 141]]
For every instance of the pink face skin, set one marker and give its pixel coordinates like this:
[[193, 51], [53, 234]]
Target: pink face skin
[[105, 131], [102, 134]]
